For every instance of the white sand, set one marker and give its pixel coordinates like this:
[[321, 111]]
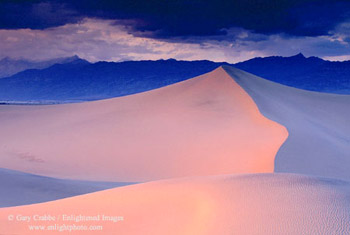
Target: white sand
[[318, 126], [18, 188], [204, 126], [248, 204], [207, 125]]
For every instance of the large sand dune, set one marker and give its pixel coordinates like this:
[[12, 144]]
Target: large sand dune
[[208, 125], [204, 126], [19, 188], [247, 204], [318, 125]]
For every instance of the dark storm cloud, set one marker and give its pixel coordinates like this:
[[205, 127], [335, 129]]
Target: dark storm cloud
[[35, 14], [183, 18]]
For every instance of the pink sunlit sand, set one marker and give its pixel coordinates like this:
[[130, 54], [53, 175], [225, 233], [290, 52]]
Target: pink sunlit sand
[[207, 125], [205, 145], [245, 204]]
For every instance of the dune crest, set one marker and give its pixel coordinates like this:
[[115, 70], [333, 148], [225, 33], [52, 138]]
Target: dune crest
[[246, 204], [318, 126], [207, 125]]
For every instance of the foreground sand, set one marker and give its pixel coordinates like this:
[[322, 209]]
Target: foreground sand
[[18, 188], [246, 204], [207, 125]]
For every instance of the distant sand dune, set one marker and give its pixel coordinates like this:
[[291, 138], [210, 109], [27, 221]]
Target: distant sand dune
[[207, 125], [247, 204]]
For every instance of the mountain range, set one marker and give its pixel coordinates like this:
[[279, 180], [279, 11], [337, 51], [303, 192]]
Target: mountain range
[[310, 73], [10, 66], [74, 79]]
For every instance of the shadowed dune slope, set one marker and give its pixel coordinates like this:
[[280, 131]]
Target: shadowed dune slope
[[246, 204], [19, 188], [318, 125], [203, 126]]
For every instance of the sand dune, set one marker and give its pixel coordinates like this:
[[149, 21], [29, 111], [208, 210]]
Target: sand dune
[[246, 204], [203, 126], [318, 125], [19, 188], [208, 125]]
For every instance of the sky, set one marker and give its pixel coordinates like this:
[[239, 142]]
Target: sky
[[220, 30]]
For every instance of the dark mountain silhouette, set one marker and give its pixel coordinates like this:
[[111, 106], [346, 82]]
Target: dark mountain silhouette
[[79, 80], [310, 73], [9, 66]]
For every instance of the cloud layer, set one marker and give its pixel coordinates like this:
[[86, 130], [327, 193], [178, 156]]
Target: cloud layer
[[196, 29]]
